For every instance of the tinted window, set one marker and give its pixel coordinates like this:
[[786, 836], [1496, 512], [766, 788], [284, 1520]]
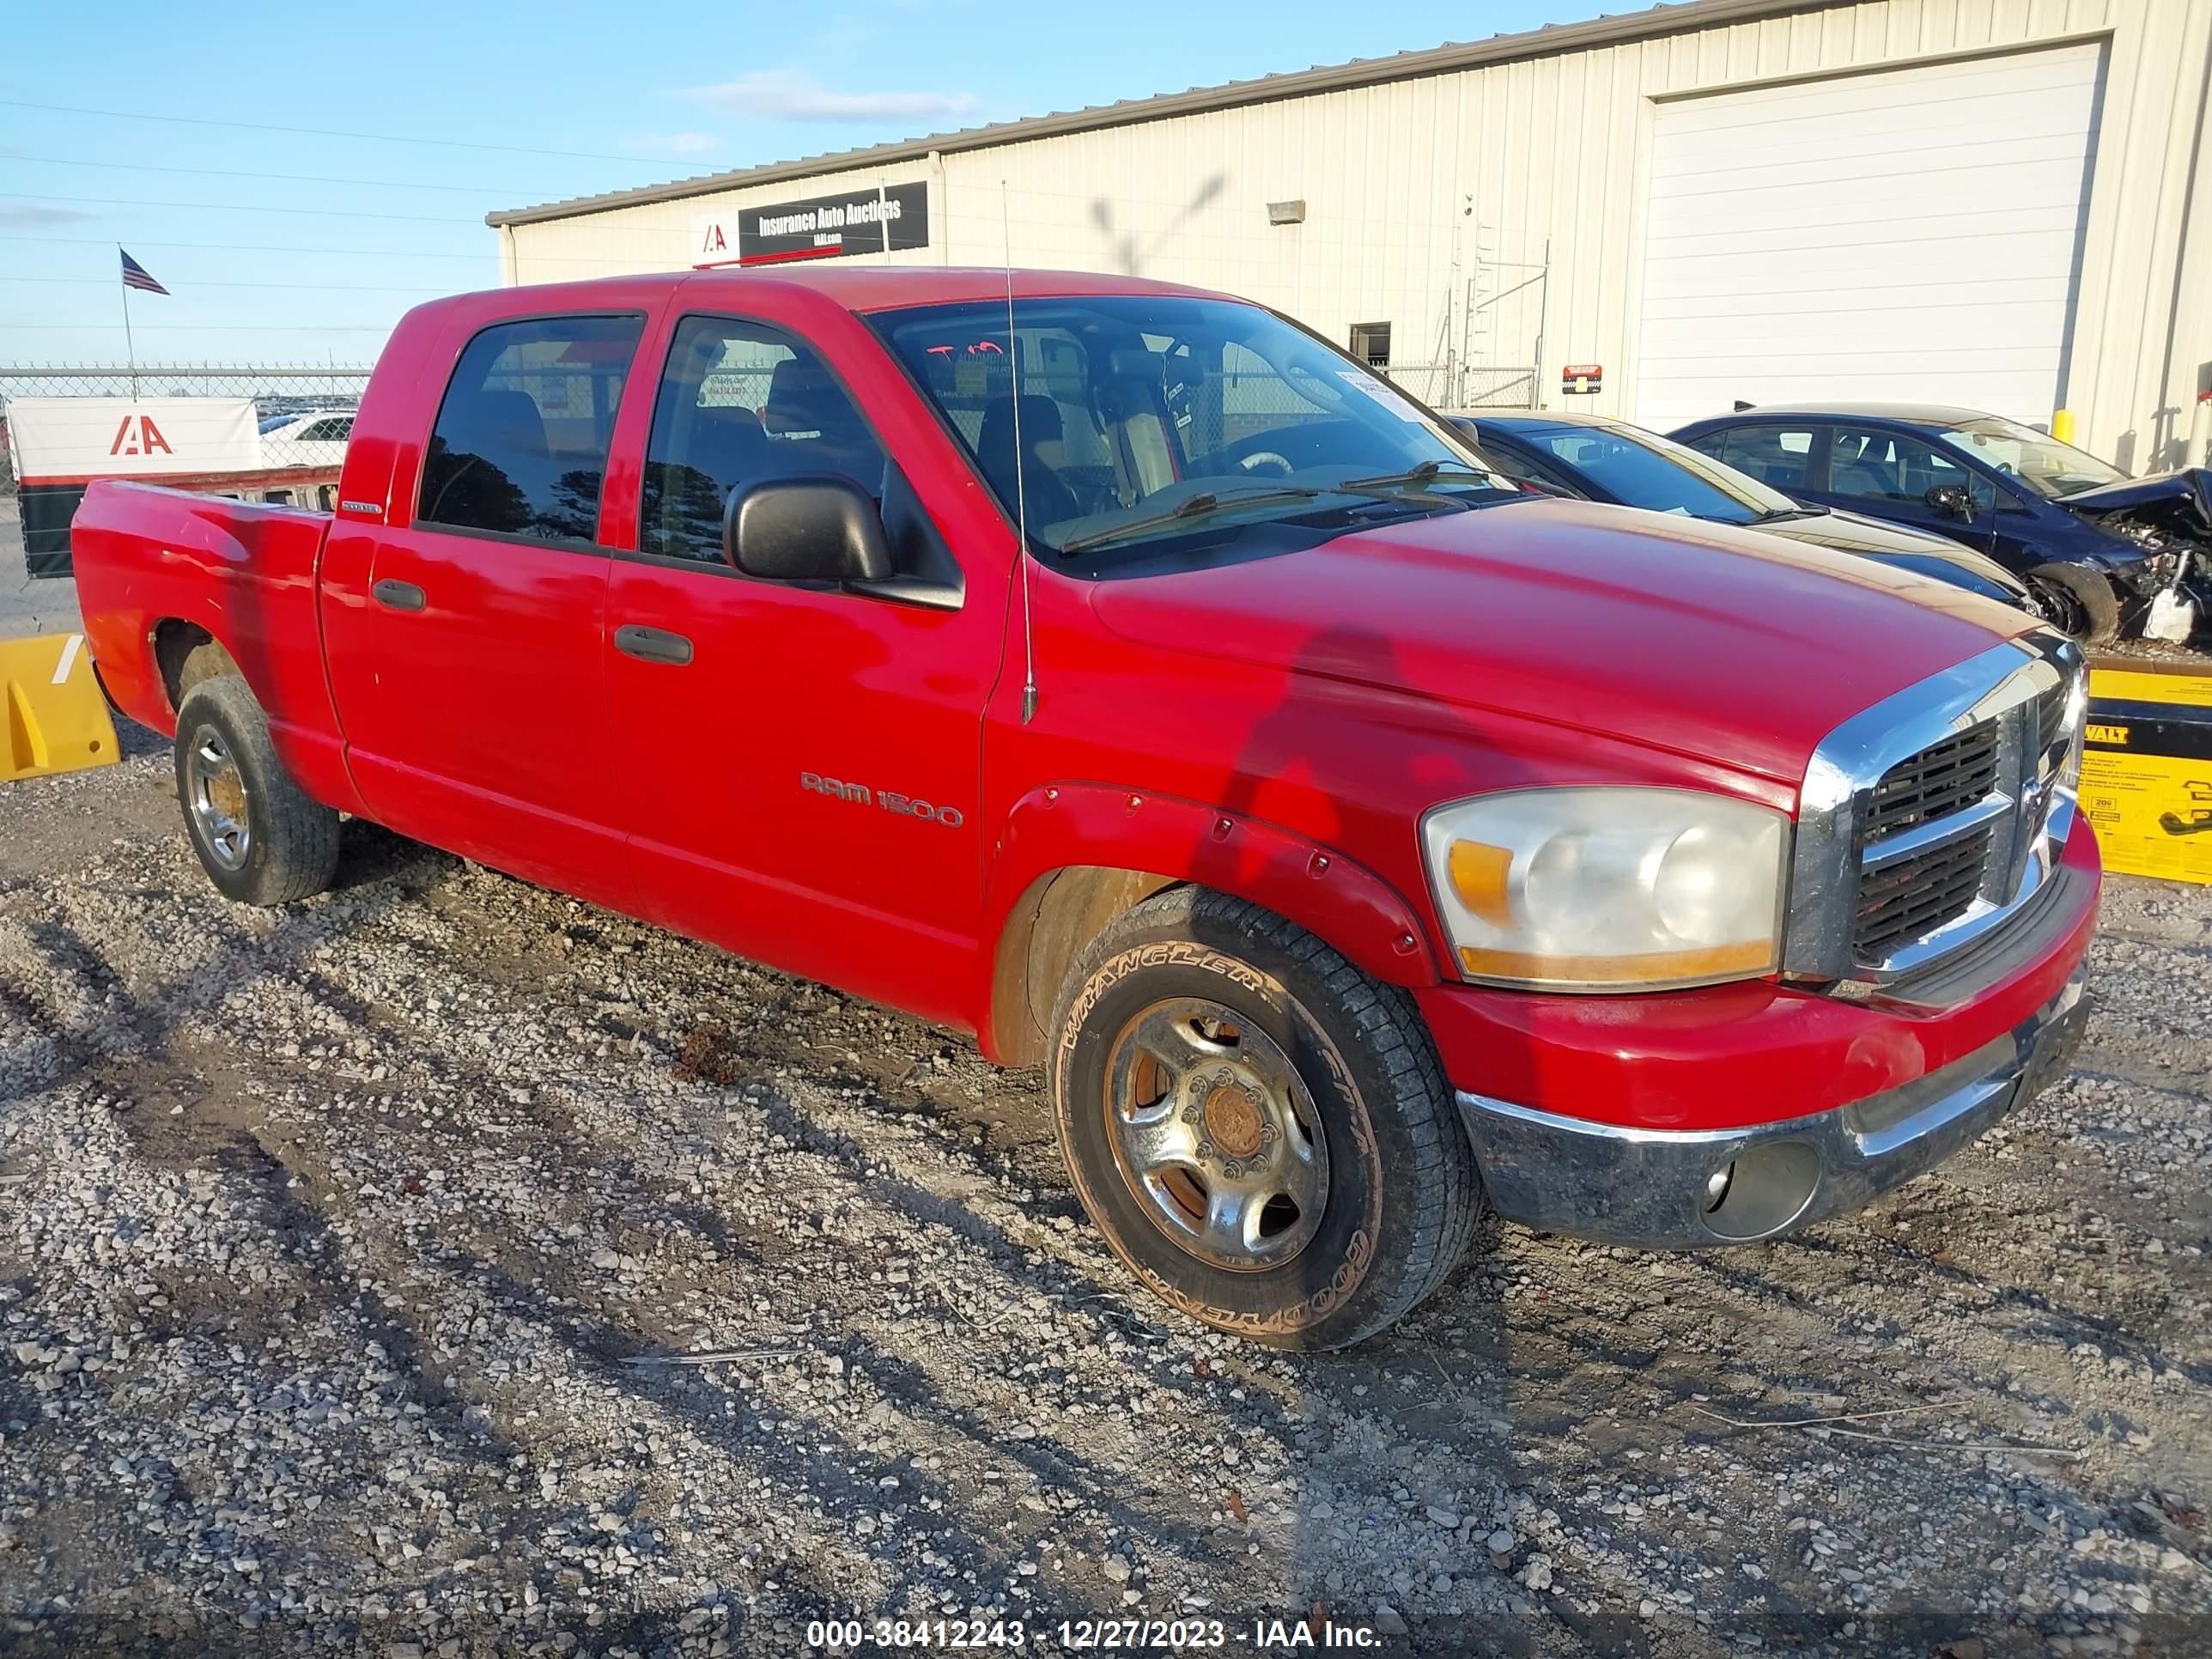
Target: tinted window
[[1777, 455], [520, 446], [1644, 470], [1875, 465], [1511, 464], [741, 402]]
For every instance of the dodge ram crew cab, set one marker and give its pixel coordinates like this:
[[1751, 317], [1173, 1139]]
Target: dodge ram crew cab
[[1122, 674]]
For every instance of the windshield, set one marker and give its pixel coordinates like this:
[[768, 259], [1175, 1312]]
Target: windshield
[[2048, 467], [1641, 469], [1148, 418]]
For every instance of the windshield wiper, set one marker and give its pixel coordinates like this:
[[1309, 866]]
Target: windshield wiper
[[1783, 514], [1194, 506], [1416, 478]]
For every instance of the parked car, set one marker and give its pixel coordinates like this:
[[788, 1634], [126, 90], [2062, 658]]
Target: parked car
[[316, 438], [1124, 675], [1597, 459], [2097, 547]]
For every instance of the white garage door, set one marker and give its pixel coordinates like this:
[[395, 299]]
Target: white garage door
[[1909, 236]]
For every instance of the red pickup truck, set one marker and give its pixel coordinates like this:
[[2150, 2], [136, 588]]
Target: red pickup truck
[[1122, 674]]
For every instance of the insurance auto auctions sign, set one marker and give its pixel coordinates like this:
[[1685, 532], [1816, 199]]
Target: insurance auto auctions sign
[[870, 221], [71, 439]]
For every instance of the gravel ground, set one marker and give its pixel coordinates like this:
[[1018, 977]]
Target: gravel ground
[[359, 1265]]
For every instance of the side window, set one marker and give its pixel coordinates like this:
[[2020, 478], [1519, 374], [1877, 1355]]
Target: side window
[[1875, 465], [1521, 470], [1776, 455], [740, 402], [520, 444], [1507, 462]]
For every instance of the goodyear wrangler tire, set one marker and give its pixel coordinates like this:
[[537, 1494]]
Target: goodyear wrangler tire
[[260, 837], [1261, 1130]]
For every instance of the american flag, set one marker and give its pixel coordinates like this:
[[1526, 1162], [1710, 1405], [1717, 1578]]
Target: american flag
[[137, 275]]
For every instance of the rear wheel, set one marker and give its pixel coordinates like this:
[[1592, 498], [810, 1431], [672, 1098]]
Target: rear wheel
[[1261, 1130], [2077, 601], [259, 836]]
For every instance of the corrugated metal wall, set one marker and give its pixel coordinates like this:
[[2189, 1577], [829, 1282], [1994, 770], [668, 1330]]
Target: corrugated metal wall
[[1410, 186]]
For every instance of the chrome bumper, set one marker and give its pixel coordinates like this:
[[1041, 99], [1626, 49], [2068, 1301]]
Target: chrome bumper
[[1673, 1190]]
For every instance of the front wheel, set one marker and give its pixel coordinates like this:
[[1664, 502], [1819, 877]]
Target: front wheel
[[261, 838], [2077, 601], [1261, 1130]]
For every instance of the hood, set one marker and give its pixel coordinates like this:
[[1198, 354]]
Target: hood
[[1905, 548], [2179, 503], [1729, 645]]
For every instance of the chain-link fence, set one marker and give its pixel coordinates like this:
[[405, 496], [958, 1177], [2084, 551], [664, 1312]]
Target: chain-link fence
[[273, 433], [302, 413], [1449, 386]]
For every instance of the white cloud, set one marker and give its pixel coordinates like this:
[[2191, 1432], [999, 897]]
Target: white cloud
[[672, 143], [788, 95], [13, 214]]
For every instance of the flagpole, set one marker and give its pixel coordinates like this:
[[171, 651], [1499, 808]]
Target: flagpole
[[130, 346]]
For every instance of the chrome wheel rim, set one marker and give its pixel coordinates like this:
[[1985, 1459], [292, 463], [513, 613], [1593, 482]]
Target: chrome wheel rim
[[215, 795], [1216, 1135]]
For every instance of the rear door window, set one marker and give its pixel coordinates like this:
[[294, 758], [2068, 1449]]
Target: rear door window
[[1781, 456], [520, 444]]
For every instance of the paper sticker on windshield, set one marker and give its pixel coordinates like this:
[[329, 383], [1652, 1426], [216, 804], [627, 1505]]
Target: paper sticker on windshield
[[1382, 393]]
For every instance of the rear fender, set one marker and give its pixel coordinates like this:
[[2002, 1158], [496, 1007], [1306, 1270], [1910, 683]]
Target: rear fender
[[1135, 843]]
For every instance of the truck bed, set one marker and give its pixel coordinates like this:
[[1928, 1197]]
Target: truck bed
[[161, 572]]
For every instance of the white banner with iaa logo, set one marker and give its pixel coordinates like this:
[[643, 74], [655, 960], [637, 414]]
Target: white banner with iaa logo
[[73, 440]]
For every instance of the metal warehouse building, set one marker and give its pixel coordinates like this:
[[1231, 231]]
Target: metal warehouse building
[[2002, 204]]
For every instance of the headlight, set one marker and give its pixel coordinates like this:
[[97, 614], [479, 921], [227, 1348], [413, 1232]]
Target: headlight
[[1609, 889]]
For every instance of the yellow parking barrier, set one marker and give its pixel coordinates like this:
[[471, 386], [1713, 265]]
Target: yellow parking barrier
[[52, 717], [2062, 425]]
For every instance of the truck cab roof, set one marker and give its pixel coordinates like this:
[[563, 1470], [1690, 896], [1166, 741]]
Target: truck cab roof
[[856, 288]]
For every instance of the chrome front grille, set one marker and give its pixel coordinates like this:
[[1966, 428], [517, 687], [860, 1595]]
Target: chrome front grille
[[1912, 897], [1939, 781], [1936, 815]]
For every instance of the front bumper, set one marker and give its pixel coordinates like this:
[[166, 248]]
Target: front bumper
[[1683, 1189]]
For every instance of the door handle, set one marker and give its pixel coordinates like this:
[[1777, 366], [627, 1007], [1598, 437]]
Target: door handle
[[398, 596], [653, 645]]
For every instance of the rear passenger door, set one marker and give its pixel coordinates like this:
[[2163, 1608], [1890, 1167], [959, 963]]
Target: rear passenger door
[[800, 765], [475, 691]]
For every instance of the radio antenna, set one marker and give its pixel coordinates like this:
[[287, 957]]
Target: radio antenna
[[1021, 468]]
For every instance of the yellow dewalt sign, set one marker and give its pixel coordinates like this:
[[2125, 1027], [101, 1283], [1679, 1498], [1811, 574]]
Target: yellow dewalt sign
[[53, 718], [2146, 770]]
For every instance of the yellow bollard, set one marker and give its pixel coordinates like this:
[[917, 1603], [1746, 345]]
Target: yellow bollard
[[53, 718], [2062, 425]]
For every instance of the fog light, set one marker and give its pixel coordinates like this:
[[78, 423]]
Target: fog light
[[1717, 1187], [1762, 1191]]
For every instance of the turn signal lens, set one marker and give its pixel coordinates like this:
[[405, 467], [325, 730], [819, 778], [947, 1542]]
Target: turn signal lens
[[1477, 875]]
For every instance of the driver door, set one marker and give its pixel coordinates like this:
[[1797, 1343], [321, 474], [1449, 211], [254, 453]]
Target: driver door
[[1888, 474]]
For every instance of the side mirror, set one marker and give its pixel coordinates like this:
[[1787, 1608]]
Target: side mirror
[[805, 530], [1952, 501]]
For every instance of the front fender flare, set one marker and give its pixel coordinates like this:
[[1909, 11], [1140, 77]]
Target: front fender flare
[[1058, 827]]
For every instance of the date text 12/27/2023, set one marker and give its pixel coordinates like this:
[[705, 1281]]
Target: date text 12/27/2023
[[1091, 1635]]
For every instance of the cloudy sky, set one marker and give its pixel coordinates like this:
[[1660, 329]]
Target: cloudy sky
[[297, 184]]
